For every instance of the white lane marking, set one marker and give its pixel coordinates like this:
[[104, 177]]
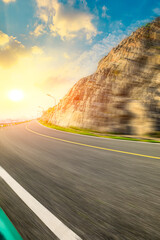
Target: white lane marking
[[53, 223]]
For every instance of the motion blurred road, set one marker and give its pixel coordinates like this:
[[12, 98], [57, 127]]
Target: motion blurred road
[[98, 194]]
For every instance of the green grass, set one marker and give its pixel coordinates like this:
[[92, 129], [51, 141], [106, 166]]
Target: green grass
[[95, 133], [147, 25]]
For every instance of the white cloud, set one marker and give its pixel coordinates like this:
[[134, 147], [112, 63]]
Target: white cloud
[[156, 11], [8, 1], [136, 25], [21, 68], [65, 75], [104, 12], [116, 25], [43, 16], [87, 62], [38, 30], [68, 22], [11, 54], [11, 50], [83, 4], [60, 74], [71, 2], [4, 38], [66, 56], [64, 20], [37, 50]]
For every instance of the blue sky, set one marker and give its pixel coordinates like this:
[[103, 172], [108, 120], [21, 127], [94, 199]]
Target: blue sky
[[47, 45], [16, 15]]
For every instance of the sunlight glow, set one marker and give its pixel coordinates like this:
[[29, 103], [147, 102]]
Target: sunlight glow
[[16, 95]]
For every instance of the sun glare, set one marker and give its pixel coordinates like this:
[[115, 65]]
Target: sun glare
[[16, 95]]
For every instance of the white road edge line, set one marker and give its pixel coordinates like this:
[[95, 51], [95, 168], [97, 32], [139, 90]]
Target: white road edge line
[[52, 222]]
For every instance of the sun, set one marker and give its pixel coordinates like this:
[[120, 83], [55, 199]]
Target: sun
[[16, 95]]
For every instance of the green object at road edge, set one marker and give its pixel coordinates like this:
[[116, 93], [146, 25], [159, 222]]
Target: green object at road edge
[[7, 230]]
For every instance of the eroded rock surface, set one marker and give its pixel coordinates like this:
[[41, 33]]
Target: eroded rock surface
[[123, 95]]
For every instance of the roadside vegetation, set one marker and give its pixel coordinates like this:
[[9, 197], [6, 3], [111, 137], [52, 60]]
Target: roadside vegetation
[[97, 134], [11, 124]]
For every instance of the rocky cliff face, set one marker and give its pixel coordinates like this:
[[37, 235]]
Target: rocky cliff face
[[123, 95]]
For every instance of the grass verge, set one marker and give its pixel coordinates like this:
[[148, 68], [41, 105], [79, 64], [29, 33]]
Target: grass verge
[[96, 134]]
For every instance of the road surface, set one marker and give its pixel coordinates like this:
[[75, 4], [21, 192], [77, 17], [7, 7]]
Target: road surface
[[101, 189]]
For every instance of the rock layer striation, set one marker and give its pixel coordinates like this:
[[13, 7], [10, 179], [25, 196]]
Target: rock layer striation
[[123, 95]]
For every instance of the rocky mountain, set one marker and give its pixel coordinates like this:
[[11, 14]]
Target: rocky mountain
[[123, 95]]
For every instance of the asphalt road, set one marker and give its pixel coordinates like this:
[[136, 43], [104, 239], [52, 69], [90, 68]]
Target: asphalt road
[[99, 194]]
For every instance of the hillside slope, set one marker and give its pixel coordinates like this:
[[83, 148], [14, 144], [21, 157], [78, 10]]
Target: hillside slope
[[123, 95]]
